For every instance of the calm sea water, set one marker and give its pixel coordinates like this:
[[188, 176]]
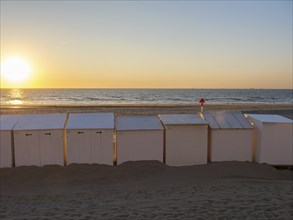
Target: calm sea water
[[144, 96]]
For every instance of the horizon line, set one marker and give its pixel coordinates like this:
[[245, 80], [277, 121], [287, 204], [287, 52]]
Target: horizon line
[[152, 88]]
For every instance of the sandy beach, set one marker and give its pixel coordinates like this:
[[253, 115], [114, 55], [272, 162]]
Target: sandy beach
[[147, 189]]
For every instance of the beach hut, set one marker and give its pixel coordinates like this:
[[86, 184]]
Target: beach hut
[[90, 138], [230, 137], [7, 122], [39, 139], [272, 139], [139, 138], [186, 139]]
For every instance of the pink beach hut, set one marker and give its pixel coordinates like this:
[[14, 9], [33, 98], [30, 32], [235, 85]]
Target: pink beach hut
[[230, 137], [90, 138], [39, 139], [139, 138], [186, 139], [272, 139]]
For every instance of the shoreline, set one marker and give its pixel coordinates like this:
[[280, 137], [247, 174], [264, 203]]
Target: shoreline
[[255, 105]]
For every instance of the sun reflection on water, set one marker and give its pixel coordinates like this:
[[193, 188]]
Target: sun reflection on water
[[16, 96]]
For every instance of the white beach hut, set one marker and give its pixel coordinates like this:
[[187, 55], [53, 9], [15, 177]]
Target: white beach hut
[[186, 139], [7, 122], [90, 138], [39, 139], [230, 137], [273, 139], [139, 138]]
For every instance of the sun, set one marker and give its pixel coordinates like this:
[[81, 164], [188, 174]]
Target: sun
[[15, 69]]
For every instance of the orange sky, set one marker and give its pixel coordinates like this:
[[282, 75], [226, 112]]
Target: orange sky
[[149, 44]]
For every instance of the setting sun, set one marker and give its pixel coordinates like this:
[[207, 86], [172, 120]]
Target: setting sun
[[15, 69]]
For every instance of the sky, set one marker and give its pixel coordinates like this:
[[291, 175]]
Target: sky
[[149, 44]]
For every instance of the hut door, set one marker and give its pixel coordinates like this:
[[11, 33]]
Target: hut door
[[51, 147], [96, 146], [27, 148], [78, 146], [84, 146]]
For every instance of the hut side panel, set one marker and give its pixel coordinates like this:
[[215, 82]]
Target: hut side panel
[[7, 122], [5, 149], [231, 144], [277, 150], [27, 150], [139, 145], [257, 140], [186, 145]]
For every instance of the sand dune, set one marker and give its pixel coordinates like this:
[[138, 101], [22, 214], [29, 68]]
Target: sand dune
[[147, 189]]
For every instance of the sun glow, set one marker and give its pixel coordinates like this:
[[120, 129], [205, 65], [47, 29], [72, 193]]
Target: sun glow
[[15, 70]]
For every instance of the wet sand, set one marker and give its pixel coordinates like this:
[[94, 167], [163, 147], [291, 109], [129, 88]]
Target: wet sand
[[282, 109]]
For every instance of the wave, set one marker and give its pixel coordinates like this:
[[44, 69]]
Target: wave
[[152, 96]]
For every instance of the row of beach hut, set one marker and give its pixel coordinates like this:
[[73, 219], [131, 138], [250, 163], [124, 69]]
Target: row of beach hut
[[175, 139]]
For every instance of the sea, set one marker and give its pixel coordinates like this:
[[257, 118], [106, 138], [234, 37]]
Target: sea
[[144, 96]]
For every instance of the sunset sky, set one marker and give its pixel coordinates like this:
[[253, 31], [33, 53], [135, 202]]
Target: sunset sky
[[148, 44]]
